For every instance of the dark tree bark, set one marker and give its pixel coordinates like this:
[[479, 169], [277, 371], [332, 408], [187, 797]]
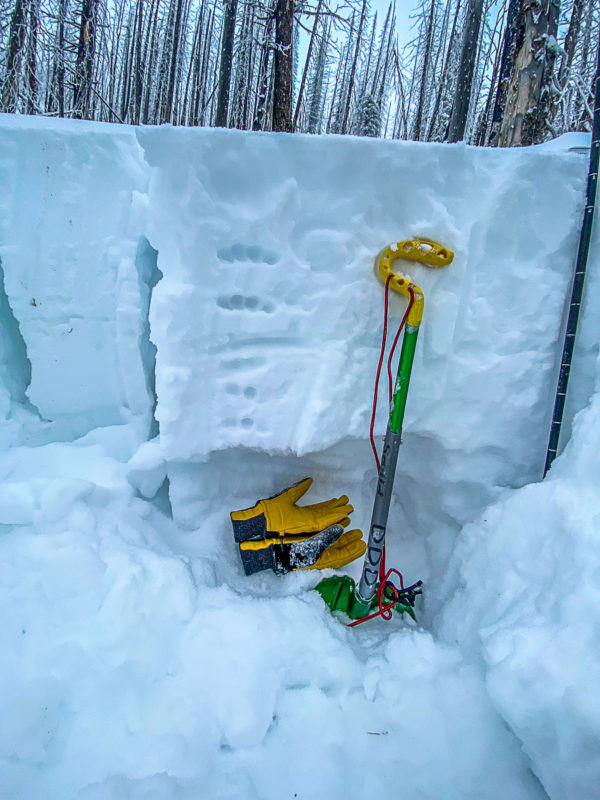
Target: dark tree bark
[[84, 65], [572, 35], [464, 86], [528, 105], [32, 54], [229, 14], [507, 64], [283, 67]]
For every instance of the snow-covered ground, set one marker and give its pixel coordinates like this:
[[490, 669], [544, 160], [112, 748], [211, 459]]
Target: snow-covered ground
[[232, 275]]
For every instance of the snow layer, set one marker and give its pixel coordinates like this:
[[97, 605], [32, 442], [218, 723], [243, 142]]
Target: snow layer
[[140, 661]]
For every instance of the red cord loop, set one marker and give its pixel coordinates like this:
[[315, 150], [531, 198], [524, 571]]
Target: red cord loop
[[384, 608]]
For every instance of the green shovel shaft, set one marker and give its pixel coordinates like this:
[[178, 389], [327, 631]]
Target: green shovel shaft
[[407, 355]]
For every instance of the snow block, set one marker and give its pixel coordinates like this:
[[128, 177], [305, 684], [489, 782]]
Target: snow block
[[69, 231]]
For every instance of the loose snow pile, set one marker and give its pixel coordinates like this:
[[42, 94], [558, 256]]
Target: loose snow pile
[[189, 321]]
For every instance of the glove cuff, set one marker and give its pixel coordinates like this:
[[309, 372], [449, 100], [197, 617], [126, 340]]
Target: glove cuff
[[258, 560], [247, 527]]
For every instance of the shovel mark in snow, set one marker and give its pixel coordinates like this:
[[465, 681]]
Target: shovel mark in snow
[[237, 302], [254, 344], [236, 364], [236, 389], [242, 252]]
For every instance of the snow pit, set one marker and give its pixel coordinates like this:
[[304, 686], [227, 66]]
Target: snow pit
[[190, 322]]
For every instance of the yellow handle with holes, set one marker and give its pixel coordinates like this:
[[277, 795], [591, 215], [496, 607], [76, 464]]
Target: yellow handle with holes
[[426, 252]]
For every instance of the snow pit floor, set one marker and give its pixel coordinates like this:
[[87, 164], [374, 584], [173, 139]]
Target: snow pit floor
[[189, 321]]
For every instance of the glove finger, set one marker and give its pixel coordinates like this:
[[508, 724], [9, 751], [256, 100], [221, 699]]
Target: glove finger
[[295, 492], [348, 547], [308, 523], [327, 504], [334, 516], [350, 537], [305, 553]]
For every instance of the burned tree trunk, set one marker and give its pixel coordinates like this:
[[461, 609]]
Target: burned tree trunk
[[283, 67], [507, 64], [528, 104], [84, 65], [464, 86], [226, 59]]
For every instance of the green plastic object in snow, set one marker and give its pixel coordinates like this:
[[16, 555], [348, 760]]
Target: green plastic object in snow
[[340, 592]]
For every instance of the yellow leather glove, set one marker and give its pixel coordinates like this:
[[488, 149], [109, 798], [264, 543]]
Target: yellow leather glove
[[277, 534], [331, 548], [279, 514]]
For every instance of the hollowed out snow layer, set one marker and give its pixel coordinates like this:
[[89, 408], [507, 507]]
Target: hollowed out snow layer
[[15, 366], [217, 288], [146, 259]]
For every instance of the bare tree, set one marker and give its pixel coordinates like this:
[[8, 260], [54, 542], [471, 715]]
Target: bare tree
[[464, 84], [282, 69], [229, 14], [31, 57], [507, 64], [84, 65]]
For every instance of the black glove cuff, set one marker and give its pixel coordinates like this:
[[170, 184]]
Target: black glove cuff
[[253, 528], [275, 557]]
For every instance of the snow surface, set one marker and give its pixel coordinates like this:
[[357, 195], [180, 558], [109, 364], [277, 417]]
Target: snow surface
[[232, 275]]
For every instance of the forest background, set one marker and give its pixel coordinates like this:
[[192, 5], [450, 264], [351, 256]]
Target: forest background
[[488, 72]]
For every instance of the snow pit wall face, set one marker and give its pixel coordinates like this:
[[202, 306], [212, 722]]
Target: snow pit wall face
[[268, 318]]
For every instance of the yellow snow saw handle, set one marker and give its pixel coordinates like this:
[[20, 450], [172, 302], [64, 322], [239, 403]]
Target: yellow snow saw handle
[[425, 251]]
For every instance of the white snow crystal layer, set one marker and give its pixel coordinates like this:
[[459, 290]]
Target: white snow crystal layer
[[231, 274]]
